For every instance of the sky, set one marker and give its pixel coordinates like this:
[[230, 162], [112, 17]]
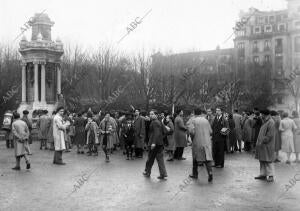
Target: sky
[[170, 26]]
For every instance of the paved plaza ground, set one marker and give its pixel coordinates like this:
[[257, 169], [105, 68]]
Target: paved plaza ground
[[119, 185]]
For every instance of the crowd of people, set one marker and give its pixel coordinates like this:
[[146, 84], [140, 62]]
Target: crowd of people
[[211, 135]]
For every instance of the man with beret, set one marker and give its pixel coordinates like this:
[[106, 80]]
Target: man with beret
[[265, 147]]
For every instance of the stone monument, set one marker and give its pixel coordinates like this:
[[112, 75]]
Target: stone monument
[[41, 71]]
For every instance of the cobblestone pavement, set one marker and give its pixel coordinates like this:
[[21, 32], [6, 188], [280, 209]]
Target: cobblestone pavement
[[88, 183]]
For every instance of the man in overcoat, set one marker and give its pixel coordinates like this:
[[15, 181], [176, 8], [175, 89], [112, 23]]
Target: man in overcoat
[[180, 136], [139, 134], [156, 146], [237, 118], [219, 139], [29, 125], [20, 133], [265, 147], [59, 128], [200, 131]]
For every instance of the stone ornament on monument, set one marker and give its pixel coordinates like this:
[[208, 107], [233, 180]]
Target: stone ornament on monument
[[41, 73]]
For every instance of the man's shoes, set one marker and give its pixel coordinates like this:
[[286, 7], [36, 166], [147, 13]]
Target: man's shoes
[[270, 179], [181, 158], [218, 166], [288, 162], [28, 165], [260, 177], [62, 163], [146, 174], [107, 159], [17, 168], [193, 176], [162, 177], [170, 159], [127, 158], [277, 161], [210, 178]]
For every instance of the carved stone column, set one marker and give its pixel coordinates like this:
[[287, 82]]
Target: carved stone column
[[43, 83], [58, 79], [36, 82], [23, 82]]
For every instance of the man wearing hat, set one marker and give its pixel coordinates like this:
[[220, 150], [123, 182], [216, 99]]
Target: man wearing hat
[[29, 125], [21, 133], [265, 147]]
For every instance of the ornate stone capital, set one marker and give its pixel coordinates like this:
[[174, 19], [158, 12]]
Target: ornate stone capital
[[39, 62]]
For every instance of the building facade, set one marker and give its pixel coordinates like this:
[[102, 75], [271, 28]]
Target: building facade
[[271, 38]]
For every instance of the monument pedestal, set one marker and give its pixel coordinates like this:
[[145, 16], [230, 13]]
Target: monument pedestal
[[36, 106]]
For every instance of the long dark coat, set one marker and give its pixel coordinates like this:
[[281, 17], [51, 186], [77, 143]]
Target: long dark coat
[[79, 124], [277, 120], [217, 125], [139, 132], [265, 145], [43, 127], [180, 133], [29, 125]]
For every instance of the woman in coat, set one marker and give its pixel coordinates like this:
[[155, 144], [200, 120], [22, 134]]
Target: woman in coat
[[179, 136], [79, 138], [287, 126], [297, 136], [107, 128], [170, 137], [92, 136]]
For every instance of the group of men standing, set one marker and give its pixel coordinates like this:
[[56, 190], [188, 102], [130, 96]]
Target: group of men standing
[[208, 133]]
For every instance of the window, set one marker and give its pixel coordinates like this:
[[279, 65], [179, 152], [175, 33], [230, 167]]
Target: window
[[267, 58], [260, 20], [278, 18], [297, 44], [297, 24], [241, 45], [268, 28], [281, 27], [271, 19], [279, 100], [255, 46], [256, 59], [257, 29], [266, 20], [278, 46], [241, 33], [267, 44]]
